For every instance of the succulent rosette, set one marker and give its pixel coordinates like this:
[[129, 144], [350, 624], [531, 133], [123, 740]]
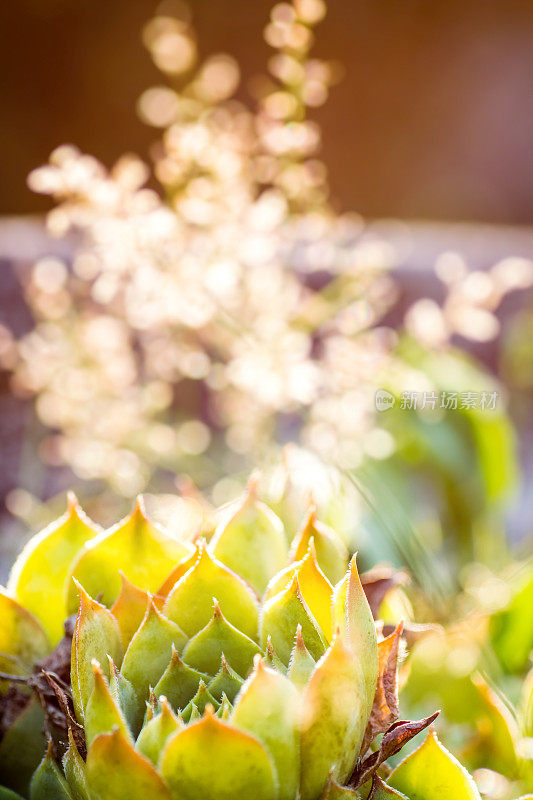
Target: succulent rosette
[[243, 664]]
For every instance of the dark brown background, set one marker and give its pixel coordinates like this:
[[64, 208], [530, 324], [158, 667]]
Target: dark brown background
[[433, 119]]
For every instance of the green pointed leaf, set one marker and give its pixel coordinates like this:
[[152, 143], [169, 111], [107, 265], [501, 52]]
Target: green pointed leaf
[[226, 682], [268, 707], [281, 580], [42, 568], [352, 614], [179, 682], [331, 552], [102, 713], [432, 773], [271, 659], [22, 747], [334, 719], [191, 713], [197, 762], [96, 635], [149, 652], [48, 783], [281, 616], [74, 769], [225, 709], [316, 590], [251, 540], [302, 663], [155, 734], [143, 551], [190, 603], [21, 636], [115, 770], [124, 694], [205, 650], [201, 699]]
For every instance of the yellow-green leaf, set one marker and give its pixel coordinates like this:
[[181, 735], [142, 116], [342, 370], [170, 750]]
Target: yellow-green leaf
[[281, 616], [74, 769], [42, 568], [251, 540], [211, 759], [316, 590], [179, 682], [48, 783], [190, 603], [142, 550], [149, 652], [155, 733], [331, 552], [123, 693], [271, 658], [115, 770], [352, 614], [201, 699], [334, 719], [102, 713], [226, 682], [21, 636], [432, 773], [302, 663], [204, 650], [268, 707], [96, 636]]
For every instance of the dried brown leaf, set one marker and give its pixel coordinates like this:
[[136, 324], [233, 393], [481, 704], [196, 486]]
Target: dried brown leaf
[[394, 739], [385, 707]]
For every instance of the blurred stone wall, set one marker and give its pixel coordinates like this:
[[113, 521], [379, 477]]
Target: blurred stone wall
[[433, 119]]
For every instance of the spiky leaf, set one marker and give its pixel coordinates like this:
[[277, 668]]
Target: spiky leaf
[[144, 553], [281, 616], [268, 707], [205, 650], [96, 636], [48, 783], [334, 719], [190, 603], [42, 568], [251, 540], [352, 614]]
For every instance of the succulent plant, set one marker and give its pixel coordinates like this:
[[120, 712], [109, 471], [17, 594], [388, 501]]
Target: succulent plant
[[224, 667]]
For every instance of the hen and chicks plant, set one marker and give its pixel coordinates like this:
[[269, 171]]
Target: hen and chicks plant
[[244, 663]]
